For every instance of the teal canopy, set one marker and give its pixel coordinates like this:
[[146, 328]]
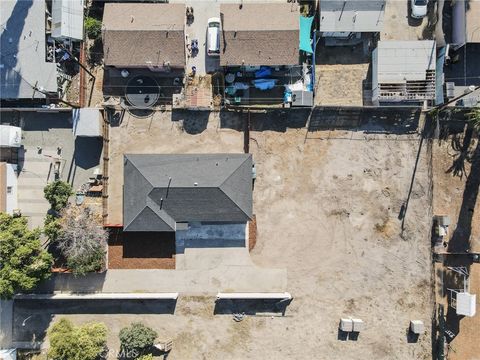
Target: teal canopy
[[305, 31]]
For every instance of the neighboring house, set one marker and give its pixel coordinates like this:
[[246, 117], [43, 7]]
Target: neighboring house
[[144, 52], [8, 188], [344, 22], [67, 19], [166, 193], [25, 74], [144, 36], [403, 71], [261, 57]]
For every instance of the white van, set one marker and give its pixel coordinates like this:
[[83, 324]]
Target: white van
[[213, 37]]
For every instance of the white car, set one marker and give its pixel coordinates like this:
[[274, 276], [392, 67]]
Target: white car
[[418, 8], [213, 37]]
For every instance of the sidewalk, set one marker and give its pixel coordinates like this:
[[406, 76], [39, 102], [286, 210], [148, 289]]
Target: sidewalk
[[233, 278]]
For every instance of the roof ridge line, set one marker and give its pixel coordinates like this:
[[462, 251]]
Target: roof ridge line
[[220, 186]]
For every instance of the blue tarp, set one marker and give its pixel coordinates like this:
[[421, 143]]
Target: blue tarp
[[263, 72], [305, 33], [264, 84]]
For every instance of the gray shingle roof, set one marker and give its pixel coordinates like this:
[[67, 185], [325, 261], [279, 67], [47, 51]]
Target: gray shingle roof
[[137, 34], [161, 190], [259, 34]]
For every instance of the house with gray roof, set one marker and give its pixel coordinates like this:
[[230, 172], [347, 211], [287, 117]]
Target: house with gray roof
[[165, 193], [24, 71]]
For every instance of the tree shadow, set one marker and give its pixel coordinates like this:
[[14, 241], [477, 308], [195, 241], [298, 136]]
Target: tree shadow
[[460, 241], [463, 154]]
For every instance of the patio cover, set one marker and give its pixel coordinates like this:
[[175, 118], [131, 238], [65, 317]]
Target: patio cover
[[305, 32], [86, 122]]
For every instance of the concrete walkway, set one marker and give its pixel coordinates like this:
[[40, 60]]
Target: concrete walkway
[[240, 278]]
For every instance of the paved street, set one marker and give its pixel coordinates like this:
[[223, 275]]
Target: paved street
[[31, 318]]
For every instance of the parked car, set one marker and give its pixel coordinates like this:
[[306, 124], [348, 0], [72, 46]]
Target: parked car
[[418, 8], [213, 37]]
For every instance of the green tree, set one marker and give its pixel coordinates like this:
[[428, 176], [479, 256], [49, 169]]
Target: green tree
[[23, 261], [70, 342], [51, 227], [93, 27], [136, 339], [57, 194]]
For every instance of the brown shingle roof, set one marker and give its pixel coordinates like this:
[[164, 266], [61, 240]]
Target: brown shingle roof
[[259, 34], [139, 34]]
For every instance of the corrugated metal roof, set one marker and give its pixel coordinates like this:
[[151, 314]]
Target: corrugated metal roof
[[22, 51], [401, 61], [352, 15], [67, 19], [86, 122]]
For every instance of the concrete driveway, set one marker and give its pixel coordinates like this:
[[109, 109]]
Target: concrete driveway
[[203, 10], [399, 25]]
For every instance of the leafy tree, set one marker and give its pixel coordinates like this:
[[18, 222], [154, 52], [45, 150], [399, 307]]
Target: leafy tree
[[23, 261], [93, 27], [51, 227], [70, 342], [57, 194], [82, 240], [136, 339]]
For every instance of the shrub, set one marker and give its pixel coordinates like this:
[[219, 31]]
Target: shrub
[[69, 342], [57, 194], [93, 27], [51, 227], [136, 339], [23, 261]]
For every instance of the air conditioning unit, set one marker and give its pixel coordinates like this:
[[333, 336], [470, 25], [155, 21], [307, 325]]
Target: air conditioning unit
[[450, 89]]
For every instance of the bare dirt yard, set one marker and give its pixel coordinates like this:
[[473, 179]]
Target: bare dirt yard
[[327, 209]]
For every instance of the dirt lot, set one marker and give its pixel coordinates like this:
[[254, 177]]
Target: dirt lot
[[456, 184], [327, 210]]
